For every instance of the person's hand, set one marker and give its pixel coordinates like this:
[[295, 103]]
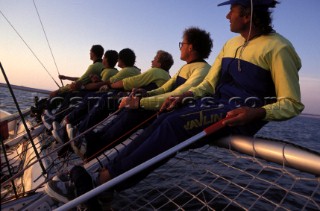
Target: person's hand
[[171, 103], [130, 102], [95, 78], [139, 92], [104, 88], [62, 77], [244, 115], [73, 86], [175, 101]]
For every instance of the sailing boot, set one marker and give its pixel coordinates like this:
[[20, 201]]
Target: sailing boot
[[83, 183]]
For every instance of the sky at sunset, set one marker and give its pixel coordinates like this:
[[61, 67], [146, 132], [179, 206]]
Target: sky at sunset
[[146, 26]]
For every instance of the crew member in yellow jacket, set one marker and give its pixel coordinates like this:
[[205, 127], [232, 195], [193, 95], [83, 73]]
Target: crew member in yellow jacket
[[194, 49], [108, 101], [96, 53]]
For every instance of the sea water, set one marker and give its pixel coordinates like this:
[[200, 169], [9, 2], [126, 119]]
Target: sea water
[[25, 99]]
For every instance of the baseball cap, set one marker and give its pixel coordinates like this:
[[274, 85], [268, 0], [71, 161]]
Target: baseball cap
[[247, 3]]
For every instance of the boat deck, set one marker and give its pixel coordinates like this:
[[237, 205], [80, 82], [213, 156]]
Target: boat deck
[[206, 178]]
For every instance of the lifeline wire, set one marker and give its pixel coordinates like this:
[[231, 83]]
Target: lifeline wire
[[45, 34], [29, 47]]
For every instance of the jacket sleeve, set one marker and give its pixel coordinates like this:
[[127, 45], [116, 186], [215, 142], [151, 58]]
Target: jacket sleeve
[[155, 102], [285, 76]]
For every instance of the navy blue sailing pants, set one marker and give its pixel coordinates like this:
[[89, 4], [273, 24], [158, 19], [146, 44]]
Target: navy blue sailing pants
[[104, 134], [169, 129], [93, 109], [70, 102]]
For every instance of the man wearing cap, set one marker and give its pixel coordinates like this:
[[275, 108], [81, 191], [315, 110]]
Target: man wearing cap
[[253, 80]]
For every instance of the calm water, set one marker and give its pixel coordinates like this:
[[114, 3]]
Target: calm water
[[303, 131], [24, 99]]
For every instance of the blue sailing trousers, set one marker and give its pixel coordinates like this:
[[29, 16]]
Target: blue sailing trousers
[[169, 129], [116, 129], [70, 102], [94, 109]]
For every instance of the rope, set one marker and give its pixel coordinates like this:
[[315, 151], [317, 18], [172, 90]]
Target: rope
[[29, 48], [121, 137], [45, 34], [8, 164], [160, 157], [58, 148], [22, 118]]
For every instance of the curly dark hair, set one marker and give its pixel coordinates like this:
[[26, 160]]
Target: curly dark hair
[[200, 40], [127, 56], [261, 18], [112, 57]]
